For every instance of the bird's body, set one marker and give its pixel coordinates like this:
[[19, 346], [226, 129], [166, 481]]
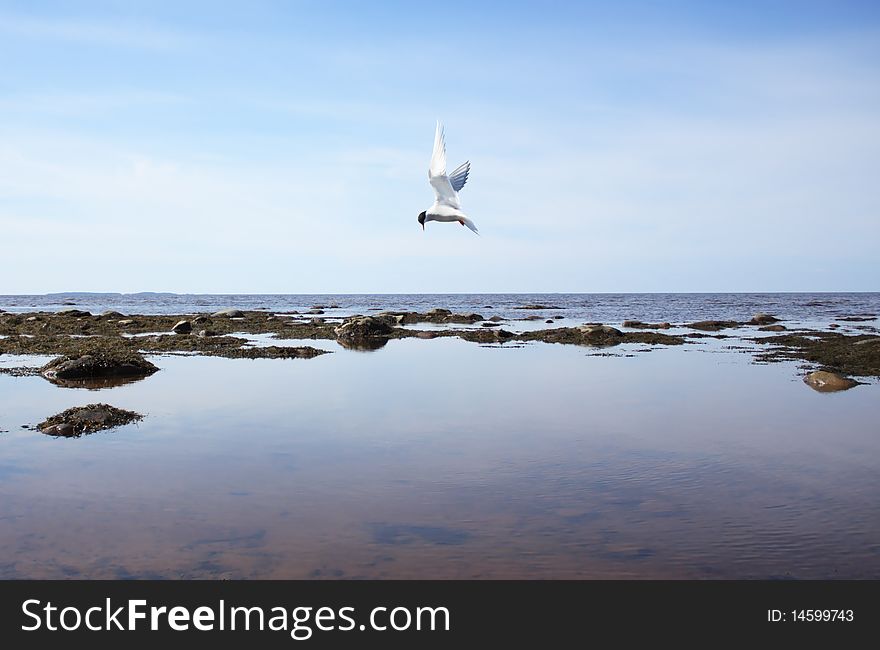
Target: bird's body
[[447, 206]]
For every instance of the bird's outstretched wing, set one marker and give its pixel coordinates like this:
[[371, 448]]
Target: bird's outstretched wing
[[443, 189], [438, 156], [459, 176]]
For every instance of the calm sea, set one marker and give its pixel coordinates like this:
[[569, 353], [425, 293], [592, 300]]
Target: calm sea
[[448, 459]]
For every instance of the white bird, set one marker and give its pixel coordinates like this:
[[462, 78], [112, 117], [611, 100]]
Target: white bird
[[446, 206]]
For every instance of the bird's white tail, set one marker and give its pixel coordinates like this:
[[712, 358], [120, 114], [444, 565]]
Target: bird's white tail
[[470, 224]]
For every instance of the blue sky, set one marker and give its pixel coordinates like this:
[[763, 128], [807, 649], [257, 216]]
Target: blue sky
[[283, 146]]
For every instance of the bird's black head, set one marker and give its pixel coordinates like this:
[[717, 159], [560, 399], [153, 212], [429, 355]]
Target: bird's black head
[[422, 219]]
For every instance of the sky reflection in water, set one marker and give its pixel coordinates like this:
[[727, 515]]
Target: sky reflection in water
[[445, 459]]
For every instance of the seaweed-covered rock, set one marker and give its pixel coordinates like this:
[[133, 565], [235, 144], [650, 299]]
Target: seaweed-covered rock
[[275, 352], [852, 355], [98, 365], [363, 327], [828, 382], [80, 420]]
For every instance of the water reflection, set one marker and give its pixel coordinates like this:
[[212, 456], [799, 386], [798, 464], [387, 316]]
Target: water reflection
[[363, 345], [95, 383], [445, 459]]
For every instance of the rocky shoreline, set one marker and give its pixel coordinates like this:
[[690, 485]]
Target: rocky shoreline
[[111, 346]]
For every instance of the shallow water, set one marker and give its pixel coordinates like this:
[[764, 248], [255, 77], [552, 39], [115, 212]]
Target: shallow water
[[446, 459]]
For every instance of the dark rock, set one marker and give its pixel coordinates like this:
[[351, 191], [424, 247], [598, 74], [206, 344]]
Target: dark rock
[[463, 318], [80, 420], [834, 326], [496, 319], [763, 319], [182, 327], [637, 324], [538, 307], [111, 314], [549, 322], [772, 328], [488, 324], [206, 333], [76, 313], [828, 382]]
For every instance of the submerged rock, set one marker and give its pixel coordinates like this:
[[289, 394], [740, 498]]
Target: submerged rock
[[858, 318], [828, 382], [182, 327], [714, 325], [80, 420], [98, 365], [228, 313]]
